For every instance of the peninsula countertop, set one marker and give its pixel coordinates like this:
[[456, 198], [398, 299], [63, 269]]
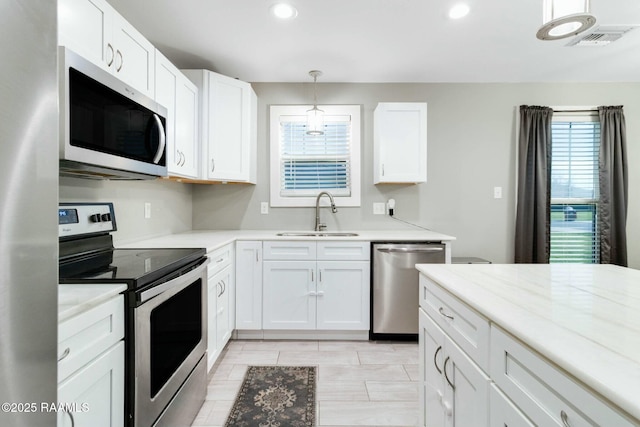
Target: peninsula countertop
[[583, 318]]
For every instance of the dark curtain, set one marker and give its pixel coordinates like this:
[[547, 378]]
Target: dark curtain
[[534, 185], [612, 215]]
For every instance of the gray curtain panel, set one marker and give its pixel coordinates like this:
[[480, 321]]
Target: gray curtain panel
[[534, 185], [612, 215]]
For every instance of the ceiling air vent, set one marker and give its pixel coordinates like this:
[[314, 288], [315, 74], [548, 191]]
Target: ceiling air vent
[[601, 36]]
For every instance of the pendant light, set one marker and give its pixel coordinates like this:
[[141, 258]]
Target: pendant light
[[315, 116], [564, 18]]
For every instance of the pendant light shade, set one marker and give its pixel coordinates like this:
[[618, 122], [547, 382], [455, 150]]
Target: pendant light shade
[[315, 116], [565, 18]]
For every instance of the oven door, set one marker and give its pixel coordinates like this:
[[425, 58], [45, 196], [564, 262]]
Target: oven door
[[170, 339]]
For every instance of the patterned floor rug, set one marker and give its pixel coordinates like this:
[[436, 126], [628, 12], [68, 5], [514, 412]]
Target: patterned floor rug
[[276, 396]]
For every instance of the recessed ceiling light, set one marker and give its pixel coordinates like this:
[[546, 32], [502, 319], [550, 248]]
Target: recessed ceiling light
[[458, 11], [284, 11]]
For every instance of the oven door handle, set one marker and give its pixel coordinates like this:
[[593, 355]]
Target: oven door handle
[[183, 279]]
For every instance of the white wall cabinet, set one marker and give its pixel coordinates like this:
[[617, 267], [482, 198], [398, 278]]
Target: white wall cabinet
[[454, 390], [179, 96], [306, 287], [93, 29], [91, 366], [228, 113], [248, 285], [221, 292], [400, 142]]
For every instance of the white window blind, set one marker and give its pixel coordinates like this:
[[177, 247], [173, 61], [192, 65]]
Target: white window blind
[[575, 144], [313, 163]]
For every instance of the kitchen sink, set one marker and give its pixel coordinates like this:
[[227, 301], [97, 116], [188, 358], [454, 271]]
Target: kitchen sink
[[317, 234]]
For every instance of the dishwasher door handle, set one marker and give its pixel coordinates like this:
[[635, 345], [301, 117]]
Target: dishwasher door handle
[[410, 250]]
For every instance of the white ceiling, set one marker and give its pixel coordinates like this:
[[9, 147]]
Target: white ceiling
[[383, 40]]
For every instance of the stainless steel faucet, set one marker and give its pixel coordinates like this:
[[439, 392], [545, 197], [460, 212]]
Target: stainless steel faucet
[[319, 226]]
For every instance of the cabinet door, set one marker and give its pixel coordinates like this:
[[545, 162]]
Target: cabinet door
[[85, 26], [134, 57], [186, 127], [248, 285], [223, 323], [400, 142], [503, 413], [467, 389], [289, 292], [180, 97], [99, 386], [431, 356], [343, 295], [229, 129], [212, 329]]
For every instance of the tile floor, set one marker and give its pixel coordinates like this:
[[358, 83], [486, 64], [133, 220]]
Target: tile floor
[[360, 383]]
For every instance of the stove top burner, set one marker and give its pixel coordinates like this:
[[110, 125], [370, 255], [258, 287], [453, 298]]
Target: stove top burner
[[135, 267]]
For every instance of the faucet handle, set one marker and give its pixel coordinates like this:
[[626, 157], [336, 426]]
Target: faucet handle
[[322, 227]]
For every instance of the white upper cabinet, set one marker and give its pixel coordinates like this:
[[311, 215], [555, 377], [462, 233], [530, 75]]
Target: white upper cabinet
[[228, 109], [400, 142], [180, 97], [93, 29]]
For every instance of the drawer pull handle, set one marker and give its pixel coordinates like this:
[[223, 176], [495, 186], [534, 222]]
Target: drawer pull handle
[[444, 368], [441, 311], [64, 354], [73, 421], [565, 419], [435, 361]]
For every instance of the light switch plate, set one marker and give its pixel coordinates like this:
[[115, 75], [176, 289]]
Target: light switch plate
[[497, 192]]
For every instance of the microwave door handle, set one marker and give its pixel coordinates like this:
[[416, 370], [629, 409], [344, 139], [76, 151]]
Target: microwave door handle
[[163, 140]]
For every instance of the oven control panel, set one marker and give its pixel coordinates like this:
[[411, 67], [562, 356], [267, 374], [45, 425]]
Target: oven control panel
[[75, 219]]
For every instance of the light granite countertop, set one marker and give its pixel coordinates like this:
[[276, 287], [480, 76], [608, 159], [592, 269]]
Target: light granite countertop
[[77, 298], [584, 318], [213, 239]]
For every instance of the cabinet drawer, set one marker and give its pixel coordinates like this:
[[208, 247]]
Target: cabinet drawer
[[85, 336], [343, 251], [467, 328], [544, 393], [502, 412], [220, 258], [289, 250]]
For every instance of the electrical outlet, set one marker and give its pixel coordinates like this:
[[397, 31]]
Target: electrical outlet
[[147, 210], [264, 208], [378, 209], [497, 192]]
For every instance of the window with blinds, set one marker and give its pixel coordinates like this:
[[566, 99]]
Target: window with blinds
[[313, 163], [304, 165], [575, 144]]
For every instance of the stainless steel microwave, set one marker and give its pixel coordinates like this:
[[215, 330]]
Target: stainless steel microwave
[[107, 129]]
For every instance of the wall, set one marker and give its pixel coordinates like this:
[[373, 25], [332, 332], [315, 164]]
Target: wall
[[171, 205], [471, 140]]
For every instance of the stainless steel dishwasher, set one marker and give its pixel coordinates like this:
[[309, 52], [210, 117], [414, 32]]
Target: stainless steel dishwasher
[[394, 296]]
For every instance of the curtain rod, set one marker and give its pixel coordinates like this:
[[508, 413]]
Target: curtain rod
[[581, 110]]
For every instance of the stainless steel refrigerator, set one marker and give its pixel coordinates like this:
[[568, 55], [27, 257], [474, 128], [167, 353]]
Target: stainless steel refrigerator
[[28, 206]]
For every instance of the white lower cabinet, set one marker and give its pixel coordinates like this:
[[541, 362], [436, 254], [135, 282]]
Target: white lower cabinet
[[220, 294], [248, 285], [313, 292], [454, 390], [474, 374], [91, 367], [96, 392]]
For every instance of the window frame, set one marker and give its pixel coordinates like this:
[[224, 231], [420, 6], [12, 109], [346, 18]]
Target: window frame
[[279, 200]]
